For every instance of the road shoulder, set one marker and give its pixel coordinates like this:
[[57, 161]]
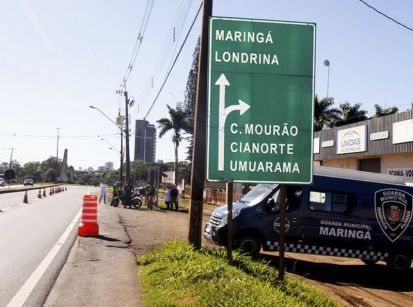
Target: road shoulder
[[99, 271]]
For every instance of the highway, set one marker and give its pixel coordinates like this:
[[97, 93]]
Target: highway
[[28, 232], [8, 200]]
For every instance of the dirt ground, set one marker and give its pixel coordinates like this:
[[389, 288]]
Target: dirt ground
[[348, 281]]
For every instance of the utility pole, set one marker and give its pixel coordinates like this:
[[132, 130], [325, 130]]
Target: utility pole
[[127, 137], [120, 121], [57, 145], [198, 158]]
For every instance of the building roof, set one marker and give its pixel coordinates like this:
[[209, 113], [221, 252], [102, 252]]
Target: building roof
[[360, 175]]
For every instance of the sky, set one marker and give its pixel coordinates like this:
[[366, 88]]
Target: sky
[[59, 57]]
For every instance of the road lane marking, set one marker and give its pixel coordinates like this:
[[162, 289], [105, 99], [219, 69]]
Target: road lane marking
[[21, 296]]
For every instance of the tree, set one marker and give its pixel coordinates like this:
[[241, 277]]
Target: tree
[[324, 113], [51, 169], [110, 177], [18, 170], [190, 98], [3, 167], [32, 170], [87, 179], [177, 122], [139, 170], [50, 175], [384, 112], [351, 114]]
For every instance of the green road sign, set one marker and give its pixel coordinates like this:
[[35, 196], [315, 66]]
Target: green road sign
[[260, 101]]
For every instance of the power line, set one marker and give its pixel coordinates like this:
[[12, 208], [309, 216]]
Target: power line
[[174, 62], [388, 17], [141, 34], [167, 50], [54, 136]]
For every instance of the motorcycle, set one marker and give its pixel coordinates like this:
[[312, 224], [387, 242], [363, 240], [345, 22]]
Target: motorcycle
[[137, 198], [116, 197]]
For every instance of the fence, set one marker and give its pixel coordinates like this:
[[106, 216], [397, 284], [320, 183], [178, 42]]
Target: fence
[[214, 197]]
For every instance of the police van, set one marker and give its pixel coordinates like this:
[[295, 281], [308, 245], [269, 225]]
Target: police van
[[342, 213]]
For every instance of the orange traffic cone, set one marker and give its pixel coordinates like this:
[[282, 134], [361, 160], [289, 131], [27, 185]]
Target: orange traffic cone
[[89, 225], [25, 200], [39, 195]]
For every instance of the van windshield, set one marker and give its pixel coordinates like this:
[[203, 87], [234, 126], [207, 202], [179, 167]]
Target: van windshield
[[257, 194]]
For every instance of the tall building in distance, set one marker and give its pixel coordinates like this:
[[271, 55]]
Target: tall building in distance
[[145, 141], [108, 166]]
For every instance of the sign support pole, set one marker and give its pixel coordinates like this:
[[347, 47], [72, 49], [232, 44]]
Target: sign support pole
[[198, 157], [281, 245], [229, 200]]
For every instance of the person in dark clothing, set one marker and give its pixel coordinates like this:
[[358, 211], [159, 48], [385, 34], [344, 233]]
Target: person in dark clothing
[[149, 196], [168, 197], [174, 197], [127, 195]]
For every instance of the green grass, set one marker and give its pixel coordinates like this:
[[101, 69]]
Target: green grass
[[174, 275]]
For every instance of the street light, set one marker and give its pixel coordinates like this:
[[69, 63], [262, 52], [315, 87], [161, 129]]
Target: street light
[[121, 141], [327, 63], [99, 110], [112, 147]]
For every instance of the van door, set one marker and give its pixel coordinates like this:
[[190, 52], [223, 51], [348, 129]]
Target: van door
[[328, 220], [293, 219]]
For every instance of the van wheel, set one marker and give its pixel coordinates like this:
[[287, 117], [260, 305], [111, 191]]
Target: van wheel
[[369, 262], [399, 262], [250, 245]]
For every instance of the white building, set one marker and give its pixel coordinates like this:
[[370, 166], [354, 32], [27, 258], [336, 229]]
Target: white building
[[379, 145]]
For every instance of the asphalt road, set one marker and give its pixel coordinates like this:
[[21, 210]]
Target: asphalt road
[[8, 200], [28, 232]]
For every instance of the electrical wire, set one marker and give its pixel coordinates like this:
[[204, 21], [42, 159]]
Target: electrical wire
[[54, 136], [174, 62], [388, 17], [139, 39], [167, 50]]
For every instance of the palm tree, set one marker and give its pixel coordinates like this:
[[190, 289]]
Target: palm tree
[[383, 112], [351, 114], [177, 122], [324, 113]]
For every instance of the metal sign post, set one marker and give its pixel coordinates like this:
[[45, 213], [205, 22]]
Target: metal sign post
[[229, 200], [282, 234]]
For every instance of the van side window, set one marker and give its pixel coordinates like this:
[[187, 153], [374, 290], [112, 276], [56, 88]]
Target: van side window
[[328, 202]]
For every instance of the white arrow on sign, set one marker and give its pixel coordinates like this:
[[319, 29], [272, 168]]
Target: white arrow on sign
[[242, 107]]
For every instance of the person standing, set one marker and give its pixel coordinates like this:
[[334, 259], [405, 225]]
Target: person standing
[[103, 190], [174, 197], [168, 197], [150, 193]]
